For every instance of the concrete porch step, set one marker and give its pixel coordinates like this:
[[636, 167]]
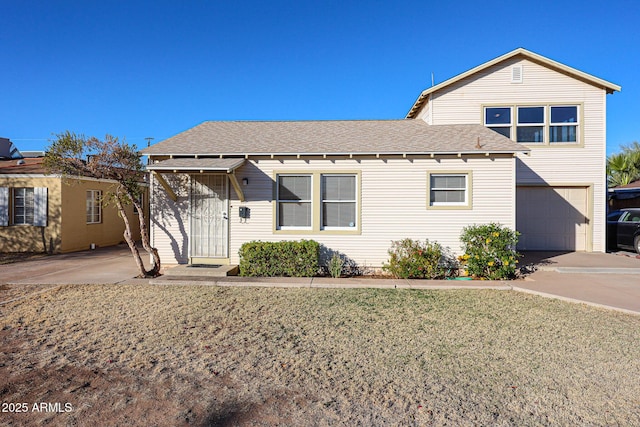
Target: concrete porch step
[[202, 270]]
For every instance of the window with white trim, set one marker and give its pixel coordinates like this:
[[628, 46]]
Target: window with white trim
[[537, 124], [498, 119], [564, 124], [23, 206], [448, 189], [530, 127], [339, 201], [94, 206], [293, 199]]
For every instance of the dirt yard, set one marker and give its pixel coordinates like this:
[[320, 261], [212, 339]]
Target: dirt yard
[[207, 356]]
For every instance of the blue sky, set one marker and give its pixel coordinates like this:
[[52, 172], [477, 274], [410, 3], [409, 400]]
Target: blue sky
[[139, 69]]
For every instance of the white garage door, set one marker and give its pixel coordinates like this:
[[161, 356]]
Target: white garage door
[[552, 218]]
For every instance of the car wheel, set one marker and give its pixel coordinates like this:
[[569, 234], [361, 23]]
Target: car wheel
[[636, 244]]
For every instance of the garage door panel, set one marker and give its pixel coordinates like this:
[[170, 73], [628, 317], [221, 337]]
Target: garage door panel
[[552, 218]]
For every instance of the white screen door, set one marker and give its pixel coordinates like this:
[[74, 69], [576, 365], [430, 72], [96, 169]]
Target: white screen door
[[209, 223]]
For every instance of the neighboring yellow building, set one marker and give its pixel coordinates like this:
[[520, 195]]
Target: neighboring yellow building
[[46, 213]]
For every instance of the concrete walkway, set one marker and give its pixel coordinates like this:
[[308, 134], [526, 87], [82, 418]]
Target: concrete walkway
[[605, 280]]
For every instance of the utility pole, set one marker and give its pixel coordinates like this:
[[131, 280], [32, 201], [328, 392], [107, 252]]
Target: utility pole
[[149, 139]]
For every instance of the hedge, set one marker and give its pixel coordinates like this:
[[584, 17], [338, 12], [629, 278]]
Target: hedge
[[286, 258]]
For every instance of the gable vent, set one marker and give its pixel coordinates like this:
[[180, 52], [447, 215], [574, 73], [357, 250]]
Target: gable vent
[[516, 74]]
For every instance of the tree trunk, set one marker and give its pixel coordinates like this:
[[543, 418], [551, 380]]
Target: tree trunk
[[146, 244], [129, 239]]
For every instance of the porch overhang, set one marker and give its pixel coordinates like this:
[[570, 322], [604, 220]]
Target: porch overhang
[[197, 165]]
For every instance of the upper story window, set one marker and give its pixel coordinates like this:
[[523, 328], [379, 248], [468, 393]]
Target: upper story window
[[564, 124], [498, 119], [94, 206], [536, 124], [530, 125]]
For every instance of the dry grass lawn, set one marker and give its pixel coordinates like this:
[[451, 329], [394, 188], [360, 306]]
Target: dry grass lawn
[[177, 355]]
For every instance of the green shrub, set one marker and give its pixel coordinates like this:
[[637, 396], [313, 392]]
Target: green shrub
[[412, 259], [287, 258], [489, 251]]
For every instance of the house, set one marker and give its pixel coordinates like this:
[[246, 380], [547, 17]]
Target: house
[[519, 140], [46, 213]]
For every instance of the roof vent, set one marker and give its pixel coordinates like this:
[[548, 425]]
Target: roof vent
[[20, 162], [516, 74]]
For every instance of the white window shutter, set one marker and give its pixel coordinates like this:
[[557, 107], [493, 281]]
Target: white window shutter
[[40, 206], [4, 206]]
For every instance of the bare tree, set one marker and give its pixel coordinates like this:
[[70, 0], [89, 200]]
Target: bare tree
[[74, 156]]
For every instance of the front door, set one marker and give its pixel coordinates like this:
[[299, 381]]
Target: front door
[[209, 220]]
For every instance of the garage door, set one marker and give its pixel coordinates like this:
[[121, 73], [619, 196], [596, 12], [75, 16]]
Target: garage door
[[552, 218]]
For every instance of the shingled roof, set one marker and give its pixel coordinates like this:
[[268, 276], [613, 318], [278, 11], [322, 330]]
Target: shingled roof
[[27, 166], [344, 137]]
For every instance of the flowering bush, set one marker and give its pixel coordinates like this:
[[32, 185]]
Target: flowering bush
[[489, 251], [412, 259]]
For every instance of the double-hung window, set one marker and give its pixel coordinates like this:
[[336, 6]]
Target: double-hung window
[[564, 124], [498, 119], [94, 206], [338, 201], [530, 125], [317, 202], [293, 200], [449, 190], [536, 124], [23, 206]]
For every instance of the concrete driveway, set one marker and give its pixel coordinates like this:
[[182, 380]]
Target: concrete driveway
[[607, 280], [610, 280], [108, 265]]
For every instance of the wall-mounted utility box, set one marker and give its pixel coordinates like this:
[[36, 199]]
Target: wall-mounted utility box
[[244, 212]]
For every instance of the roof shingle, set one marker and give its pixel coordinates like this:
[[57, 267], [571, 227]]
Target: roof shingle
[[332, 138]]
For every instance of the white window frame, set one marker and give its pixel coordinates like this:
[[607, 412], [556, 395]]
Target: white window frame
[[541, 124], [279, 201], [22, 219], [499, 125], [575, 124], [513, 126], [466, 204], [354, 201], [94, 200]]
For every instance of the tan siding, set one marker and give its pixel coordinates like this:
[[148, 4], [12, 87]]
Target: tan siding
[[76, 233], [393, 204], [169, 219], [462, 102]]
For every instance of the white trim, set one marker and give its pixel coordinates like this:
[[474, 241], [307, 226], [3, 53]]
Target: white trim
[[95, 201], [4, 206], [608, 87], [40, 206], [354, 201], [464, 189]]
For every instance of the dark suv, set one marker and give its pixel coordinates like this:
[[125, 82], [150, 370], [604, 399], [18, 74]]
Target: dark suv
[[623, 229]]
